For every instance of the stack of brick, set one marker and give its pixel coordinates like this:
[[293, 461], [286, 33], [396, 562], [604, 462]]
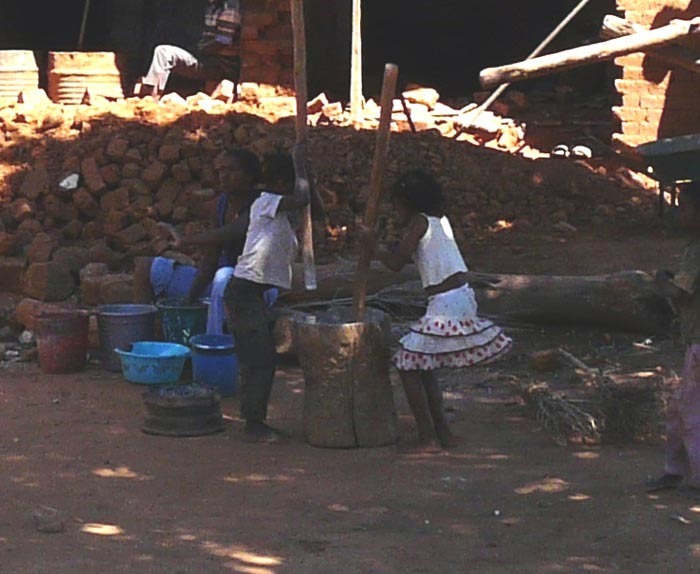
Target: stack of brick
[[267, 45], [657, 100]]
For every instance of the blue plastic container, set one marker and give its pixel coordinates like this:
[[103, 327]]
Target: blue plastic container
[[181, 320], [214, 363], [153, 362]]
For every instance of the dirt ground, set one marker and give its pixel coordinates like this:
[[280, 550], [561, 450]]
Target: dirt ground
[[509, 499]]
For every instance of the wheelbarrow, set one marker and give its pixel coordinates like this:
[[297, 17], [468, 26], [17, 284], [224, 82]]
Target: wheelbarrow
[[671, 161]]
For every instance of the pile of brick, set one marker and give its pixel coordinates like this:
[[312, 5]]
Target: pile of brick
[[84, 187]]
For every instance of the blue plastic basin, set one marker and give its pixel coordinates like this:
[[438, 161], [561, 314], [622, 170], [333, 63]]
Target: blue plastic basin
[[153, 362], [214, 362]]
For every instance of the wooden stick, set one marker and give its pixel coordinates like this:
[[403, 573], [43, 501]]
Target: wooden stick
[[391, 73], [83, 24], [615, 27], [599, 52], [299, 31], [473, 116], [356, 65]]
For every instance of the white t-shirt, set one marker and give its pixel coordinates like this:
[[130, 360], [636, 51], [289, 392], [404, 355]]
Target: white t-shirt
[[270, 245], [437, 255]]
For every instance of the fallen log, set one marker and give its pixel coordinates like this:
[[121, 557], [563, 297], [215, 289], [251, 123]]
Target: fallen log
[[628, 300], [594, 53], [615, 27]]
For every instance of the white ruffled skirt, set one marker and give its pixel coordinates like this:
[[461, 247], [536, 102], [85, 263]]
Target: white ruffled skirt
[[450, 334]]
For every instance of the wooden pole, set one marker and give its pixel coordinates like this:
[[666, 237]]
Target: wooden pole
[[615, 27], [299, 32], [356, 65], [391, 73], [83, 24], [473, 116], [599, 52]]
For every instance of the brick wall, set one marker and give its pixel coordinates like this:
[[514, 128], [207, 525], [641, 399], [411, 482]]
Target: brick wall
[[656, 100], [267, 46]]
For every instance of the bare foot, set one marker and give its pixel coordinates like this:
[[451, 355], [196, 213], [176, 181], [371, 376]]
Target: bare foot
[[256, 431]]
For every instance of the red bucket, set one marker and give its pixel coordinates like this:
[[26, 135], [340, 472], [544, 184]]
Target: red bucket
[[62, 340]]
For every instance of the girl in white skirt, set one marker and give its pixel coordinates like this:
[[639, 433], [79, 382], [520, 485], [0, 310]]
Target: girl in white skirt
[[450, 334]]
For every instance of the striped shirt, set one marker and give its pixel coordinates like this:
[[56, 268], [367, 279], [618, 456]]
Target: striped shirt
[[222, 26]]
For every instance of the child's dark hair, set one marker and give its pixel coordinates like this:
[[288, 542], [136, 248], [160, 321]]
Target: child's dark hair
[[278, 167], [690, 192], [419, 191], [248, 161]]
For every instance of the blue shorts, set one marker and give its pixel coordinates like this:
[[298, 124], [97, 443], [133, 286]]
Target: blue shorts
[[173, 280]]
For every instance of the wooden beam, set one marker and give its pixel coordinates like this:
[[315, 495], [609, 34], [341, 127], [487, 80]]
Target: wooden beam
[[615, 27], [299, 31], [381, 149], [594, 53], [356, 102]]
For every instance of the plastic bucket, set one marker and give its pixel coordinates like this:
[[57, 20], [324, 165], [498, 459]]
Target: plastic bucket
[[214, 362], [181, 320], [122, 325], [153, 362], [62, 340]]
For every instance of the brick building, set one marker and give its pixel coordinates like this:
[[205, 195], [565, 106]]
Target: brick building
[[657, 100]]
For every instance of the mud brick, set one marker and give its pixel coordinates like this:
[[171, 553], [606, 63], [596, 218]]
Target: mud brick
[[92, 230], [131, 170], [92, 176], [130, 236], [85, 203], [137, 187], [100, 252], [9, 245], [58, 210], [74, 258], [41, 249], [116, 288], [133, 155], [28, 230], [169, 153], [93, 270], [90, 290], [21, 209], [117, 148], [154, 173], [111, 173], [73, 229], [181, 172], [115, 222], [35, 184], [115, 200], [48, 282], [11, 274]]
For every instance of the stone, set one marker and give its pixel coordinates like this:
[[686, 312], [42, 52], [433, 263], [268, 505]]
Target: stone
[[117, 148], [86, 203], [34, 97], [545, 361], [90, 290], [21, 209], [52, 120], [419, 95], [111, 173], [93, 270], [115, 200], [131, 170], [70, 182], [169, 153], [73, 229], [316, 105], [173, 99], [130, 236], [11, 274], [59, 210], [181, 172], [74, 257], [28, 230], [100, 252], [42, 247], [92, 230], [92, 176], [116, 288], [115, 222], [154, 173], [224, 91], [332, 110], [35, 184], [9, 245], [48, 282]]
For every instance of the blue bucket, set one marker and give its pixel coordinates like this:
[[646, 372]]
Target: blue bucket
[[214, 362], [153, 362]]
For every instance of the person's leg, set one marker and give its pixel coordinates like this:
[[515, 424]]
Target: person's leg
[[142, 289], [216, 314], [167, 59], [437, 409], [255, 347], [418, 402]]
